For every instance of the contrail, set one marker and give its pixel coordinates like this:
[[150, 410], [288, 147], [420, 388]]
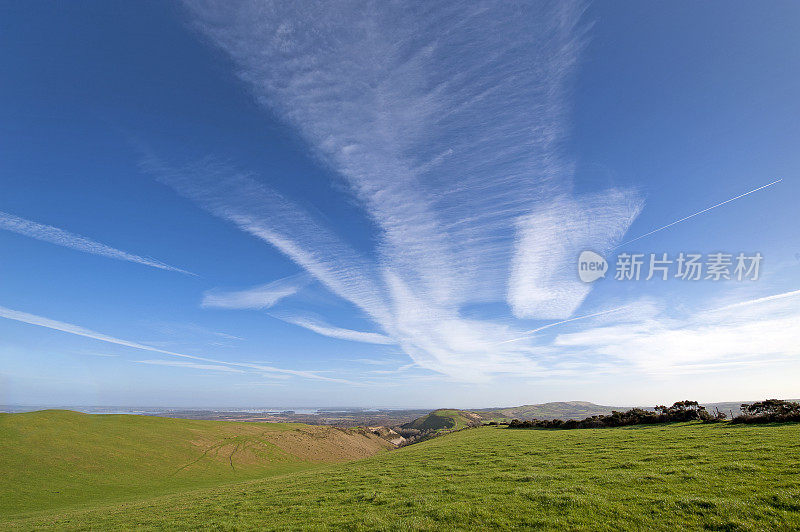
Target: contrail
[[60, 237], [760, 300], [69, 328], [564, 321], [697, 213]]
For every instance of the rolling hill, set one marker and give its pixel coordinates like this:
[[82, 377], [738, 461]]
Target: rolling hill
[[666, 477], [444, 419], [54, 458]]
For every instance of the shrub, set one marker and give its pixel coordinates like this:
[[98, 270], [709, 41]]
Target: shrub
[[680, 411], [769, 411]]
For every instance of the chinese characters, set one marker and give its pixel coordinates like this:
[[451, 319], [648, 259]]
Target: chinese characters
[[688, 266]]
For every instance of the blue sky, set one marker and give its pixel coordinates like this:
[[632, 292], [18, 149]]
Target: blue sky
[[378, 204]]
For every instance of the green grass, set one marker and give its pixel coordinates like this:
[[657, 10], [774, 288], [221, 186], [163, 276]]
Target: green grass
[[60, 459], [681, 476]]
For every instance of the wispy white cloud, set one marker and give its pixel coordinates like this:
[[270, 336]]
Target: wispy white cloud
[[395, 371], [77, 330], [374, 361], [193, 365], [278, 376], [418, 110], [324, 329], [265, 214], [257, 297], [543, 281], [659, 343], [446, 123], [179, 329], [60, 237], [577, 318]]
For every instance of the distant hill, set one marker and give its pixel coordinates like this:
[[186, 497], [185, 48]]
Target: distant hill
[[57, 458], [581, 409], [731, 407], [451, 419], [556, 410], [445, 419]]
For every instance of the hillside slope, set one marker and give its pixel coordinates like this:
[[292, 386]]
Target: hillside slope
[[667, 477], [444, 419], [58, 458]]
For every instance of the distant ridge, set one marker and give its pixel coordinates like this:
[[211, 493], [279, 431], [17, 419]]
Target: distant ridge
[[553, 410], [582, 409], [452, 419]]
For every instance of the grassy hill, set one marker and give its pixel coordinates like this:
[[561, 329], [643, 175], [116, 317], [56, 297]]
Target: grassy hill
[[666, 477], [56, 458], [184, 474], [444, 419]]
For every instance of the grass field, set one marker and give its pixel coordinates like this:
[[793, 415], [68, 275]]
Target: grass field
[[59, 459], [719, 476]]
